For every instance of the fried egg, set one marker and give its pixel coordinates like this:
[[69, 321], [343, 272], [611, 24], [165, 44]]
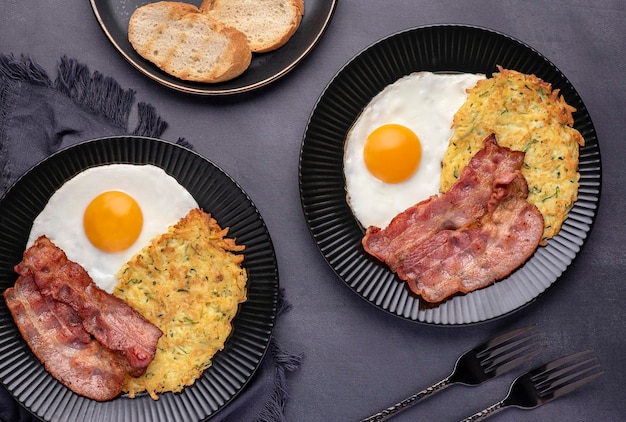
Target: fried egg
[[393, 152], [104, 215]]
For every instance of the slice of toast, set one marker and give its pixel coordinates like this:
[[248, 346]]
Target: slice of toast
[[188, 44], [268, 24]]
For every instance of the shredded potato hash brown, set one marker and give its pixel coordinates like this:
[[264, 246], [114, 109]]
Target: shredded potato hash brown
[[189, 283], [526, 115]]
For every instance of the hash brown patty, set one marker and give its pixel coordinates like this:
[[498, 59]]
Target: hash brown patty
[[525, 114]]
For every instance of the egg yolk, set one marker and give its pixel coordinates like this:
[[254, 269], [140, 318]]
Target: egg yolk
[[113, 221], [392, 153]]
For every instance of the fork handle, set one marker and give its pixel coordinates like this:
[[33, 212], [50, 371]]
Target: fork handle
[[409, 401], [485, 413]]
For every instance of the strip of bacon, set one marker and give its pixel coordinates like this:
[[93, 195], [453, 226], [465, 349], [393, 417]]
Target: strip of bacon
[[110, 320], [54, 332], [475, 256], [464, 203], [474, 234]]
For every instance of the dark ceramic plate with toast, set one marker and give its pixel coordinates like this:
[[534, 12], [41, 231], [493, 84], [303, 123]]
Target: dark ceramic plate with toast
[[232, 368], [436, 48], [264, 69]]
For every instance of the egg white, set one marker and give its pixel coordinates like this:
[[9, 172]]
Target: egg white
[[163, 201], [424, 102]]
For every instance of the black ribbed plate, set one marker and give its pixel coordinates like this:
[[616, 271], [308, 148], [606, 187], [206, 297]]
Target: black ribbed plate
[[264, 69], [437, 48], [27, 380]]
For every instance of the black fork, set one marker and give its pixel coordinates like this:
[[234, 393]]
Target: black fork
[[546, 383], [482, 363]]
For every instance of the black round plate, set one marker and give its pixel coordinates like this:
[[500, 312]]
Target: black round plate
[[436, 48], [27, 380], [264, 69]]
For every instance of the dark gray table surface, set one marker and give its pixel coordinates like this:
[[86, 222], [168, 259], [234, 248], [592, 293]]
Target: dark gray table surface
[[358, 359]]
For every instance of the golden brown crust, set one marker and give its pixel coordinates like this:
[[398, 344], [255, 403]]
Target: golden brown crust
[[526, 114], [189, 282], [267, 25], [236, 59], [188, 44]]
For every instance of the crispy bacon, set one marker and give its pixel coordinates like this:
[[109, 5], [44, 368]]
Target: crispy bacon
[[464, 203], [477, 255], [110, 320], [55, 334], [467, 238]]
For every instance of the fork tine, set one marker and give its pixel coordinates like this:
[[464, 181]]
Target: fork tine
[[503, 348], [506, 363], [558, 363], [502, 339], [507, 351], [559, 372], [560, 381], [564, 375], [574, 385]]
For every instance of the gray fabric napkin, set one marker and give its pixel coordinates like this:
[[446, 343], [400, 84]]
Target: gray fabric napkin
[[39, 116]]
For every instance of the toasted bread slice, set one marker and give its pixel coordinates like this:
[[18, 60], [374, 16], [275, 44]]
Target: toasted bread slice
[[188, 44], [268, 24]]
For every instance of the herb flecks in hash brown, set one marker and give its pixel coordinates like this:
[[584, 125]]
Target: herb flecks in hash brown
[[189, 283], [525, 114]]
